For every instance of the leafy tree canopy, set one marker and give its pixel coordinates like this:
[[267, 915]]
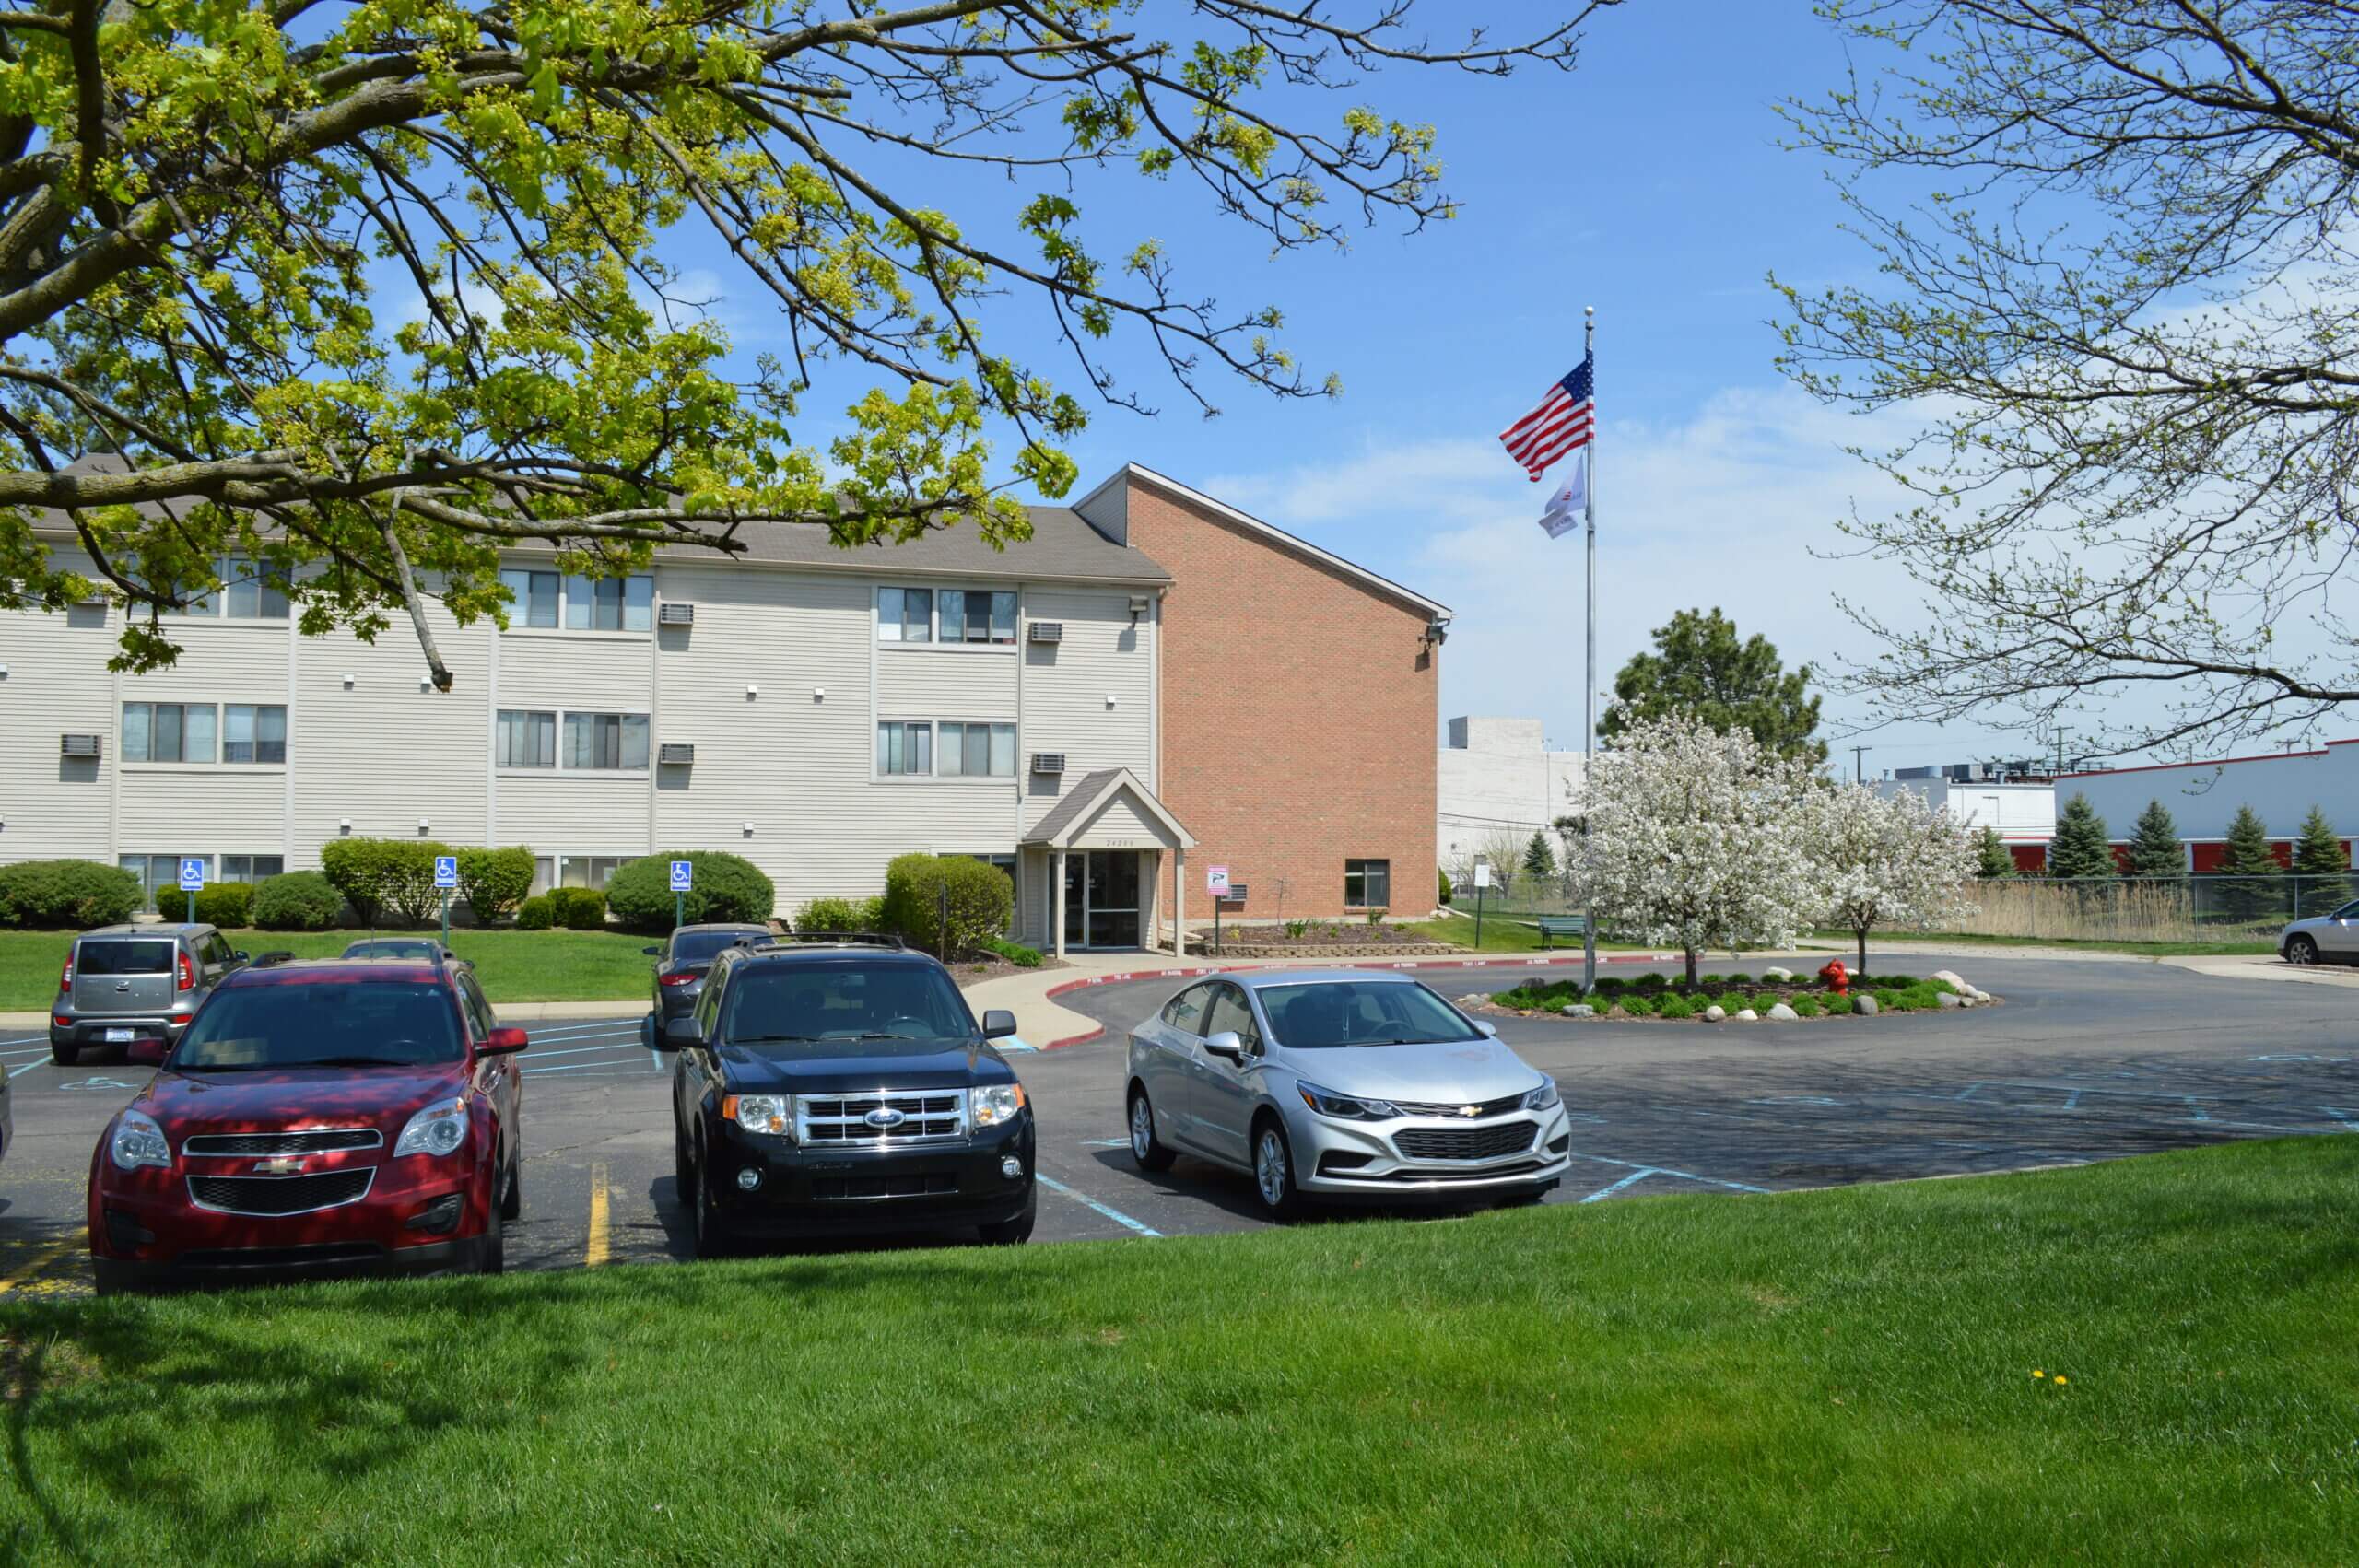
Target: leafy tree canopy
[[2117, 275], [1701, 669], [214, 220]]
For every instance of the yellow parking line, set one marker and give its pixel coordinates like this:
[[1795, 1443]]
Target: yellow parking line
[[598, 1251], [42, 1259]]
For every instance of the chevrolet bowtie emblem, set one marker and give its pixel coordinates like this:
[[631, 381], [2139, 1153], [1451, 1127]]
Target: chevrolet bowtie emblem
[[279, 1166], [1469, 1110]]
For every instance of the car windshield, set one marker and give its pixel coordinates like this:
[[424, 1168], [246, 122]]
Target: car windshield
[[391, 950], [2348, 912], [364, 1022], [1360, 1012], [144, 957], [850, 1001], [695, 947]]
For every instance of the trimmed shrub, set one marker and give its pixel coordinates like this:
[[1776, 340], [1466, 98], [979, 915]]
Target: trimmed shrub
[[229, 905], [54, 895], [835, 915], [1651, 981], [1835, 1006], [1892, 1001], [297, 901], [1637, 1004], [577, 908], [1740, 979], [1015, 952], [727, 888], [1674, 1006], [1804, 1006], [493, 881], [386, 881], [1446, 889], [982, 901], [537, 913], [1611, 984]]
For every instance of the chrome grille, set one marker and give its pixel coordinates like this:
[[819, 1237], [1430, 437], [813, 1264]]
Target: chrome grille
[[834, 1121], [1465, 1143], [281, 1194], [1456, 1109], [299, 1140]]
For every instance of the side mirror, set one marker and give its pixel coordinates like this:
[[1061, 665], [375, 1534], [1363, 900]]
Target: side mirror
[[680, 1034], [504, 1041], [998, 1024], [653, 951], [1490, 1030], [1226, 1045], [242, 957], [147, 1050]]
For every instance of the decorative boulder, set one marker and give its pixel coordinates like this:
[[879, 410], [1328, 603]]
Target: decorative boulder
[[1777, 971], [1715, 1013], [1781, 1014], [1475, 999], [1950, 977], [1746, 1015], [1864, 1005], [1580, 1009], [1951, 998]]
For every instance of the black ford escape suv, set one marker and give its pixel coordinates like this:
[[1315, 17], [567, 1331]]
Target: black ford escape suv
[[842, 1085]]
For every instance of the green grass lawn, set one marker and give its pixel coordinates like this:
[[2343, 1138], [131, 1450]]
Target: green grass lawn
[[513, 965], [1504, 933], [2149, 949], [1833, 1376]]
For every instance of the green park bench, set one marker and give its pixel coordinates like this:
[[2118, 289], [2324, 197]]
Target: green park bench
[[1569, 926]]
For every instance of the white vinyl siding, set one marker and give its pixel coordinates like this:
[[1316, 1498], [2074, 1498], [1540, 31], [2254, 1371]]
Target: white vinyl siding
[[1067, 687]]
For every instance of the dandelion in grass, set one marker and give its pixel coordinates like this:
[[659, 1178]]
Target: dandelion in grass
[[2062, 1380], [2037, 1375]]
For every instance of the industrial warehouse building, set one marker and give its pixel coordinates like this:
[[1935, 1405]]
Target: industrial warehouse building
[[2203, 797], [814, 709]]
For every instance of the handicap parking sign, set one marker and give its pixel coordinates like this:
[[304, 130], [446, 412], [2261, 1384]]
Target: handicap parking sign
[[192, 873], [446, 871], [684, 875]]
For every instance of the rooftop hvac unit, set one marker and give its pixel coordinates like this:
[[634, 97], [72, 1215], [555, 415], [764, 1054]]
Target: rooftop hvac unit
[[674, 613], [77, 745], [676, 752], [1048, 631], [1049, 761]]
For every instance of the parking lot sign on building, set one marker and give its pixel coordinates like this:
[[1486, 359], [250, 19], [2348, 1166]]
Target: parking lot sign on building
[[446, 871], [192, 873], [684, 875]]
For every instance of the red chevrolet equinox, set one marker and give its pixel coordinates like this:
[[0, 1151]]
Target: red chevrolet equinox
[[341, 1116]]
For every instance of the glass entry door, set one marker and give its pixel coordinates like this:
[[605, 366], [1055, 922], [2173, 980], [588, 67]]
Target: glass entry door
[[1102, 898]]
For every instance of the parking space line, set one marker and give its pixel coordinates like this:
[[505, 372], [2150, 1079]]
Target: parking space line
[[584, 1051], [28, 1040], [601, 1032], [1666, 1170], [28, 1067], [581, 1066], [1632, 1179], [1053, 1185], [42, 1259], [599, 1248], [37, 1051]]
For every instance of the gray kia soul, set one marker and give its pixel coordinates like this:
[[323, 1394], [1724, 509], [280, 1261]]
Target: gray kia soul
[[122, 983]]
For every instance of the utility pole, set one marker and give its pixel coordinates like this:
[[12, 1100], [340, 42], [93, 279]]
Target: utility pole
[[1858, 768]]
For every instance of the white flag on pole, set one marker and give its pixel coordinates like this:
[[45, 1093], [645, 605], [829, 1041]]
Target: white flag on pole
[[1566, 507]]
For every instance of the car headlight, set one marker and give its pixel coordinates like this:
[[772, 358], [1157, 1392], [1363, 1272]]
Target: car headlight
[[138, 1141], [996, 1103], [1346, 1108], [772, 1114], [1543, 1099], [438, 1129]]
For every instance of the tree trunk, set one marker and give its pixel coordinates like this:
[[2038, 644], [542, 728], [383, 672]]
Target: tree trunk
[[1690, 954], [1863, 948]]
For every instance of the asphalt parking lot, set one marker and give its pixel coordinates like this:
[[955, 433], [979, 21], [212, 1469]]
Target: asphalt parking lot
[[2083, 1062]]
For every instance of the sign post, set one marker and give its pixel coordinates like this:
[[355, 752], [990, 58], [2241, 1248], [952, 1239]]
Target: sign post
[[1217, 889], [1481, 880], [684, 878], [446, 877], [192, 882]]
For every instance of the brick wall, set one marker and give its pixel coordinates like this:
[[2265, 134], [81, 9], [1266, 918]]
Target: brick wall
[[1300, 717]]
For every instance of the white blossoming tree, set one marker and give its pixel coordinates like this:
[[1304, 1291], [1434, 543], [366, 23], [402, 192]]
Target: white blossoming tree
[[1888, 861], [1699, 839]]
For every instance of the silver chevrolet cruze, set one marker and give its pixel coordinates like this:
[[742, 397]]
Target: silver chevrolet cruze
[[1342, 1084]]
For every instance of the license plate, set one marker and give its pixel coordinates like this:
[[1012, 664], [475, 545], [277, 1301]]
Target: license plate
[[118, 1035]]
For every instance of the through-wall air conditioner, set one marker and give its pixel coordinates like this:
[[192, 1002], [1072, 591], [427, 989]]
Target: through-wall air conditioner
[[1049, 761], [676, 752], [1048, 631], [672, 612], [77, 745]]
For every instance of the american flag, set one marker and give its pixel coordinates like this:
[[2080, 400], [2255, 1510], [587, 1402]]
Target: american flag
[[1565, 420]]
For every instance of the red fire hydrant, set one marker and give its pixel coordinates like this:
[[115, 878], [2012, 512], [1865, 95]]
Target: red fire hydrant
[[1837, 978]]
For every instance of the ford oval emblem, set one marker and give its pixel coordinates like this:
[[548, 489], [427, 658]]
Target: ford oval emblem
[[883, 1116]]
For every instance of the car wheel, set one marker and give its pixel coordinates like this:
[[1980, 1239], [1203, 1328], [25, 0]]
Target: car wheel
[[1009, 1233], [2301, 950], [511, 1201], [1273, 1171], [712, 1235], [64, 1055], [1145, 1148], [493, 1257]]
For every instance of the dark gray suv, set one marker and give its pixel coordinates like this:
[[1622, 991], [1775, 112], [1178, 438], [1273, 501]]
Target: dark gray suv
[[123, 983]]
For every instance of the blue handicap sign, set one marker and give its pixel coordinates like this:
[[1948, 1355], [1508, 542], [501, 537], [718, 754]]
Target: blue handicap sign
[[192, 873], [446, 871], [684, 875]]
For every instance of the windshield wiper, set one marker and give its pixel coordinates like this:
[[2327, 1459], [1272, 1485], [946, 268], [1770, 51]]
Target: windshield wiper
[[350, 1061], [1395, 1042], [759, 1039]]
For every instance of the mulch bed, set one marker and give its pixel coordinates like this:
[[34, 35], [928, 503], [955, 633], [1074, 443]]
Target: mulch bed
[[975, 971]]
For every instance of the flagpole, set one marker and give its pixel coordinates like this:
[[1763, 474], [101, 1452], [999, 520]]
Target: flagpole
[[1588, 674]]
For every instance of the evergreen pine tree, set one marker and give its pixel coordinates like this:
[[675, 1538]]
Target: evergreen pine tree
[[2252, 891], [1993, 862], [2319, 852], [2081, 848], [1538, 861], [2154, 849]]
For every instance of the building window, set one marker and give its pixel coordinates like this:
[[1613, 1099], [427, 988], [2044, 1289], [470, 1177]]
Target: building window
[[610, 604], [254, 592], [978, 616], [249, 868], [254, 733], [1368, 884], [168, 731], [158, 873], [977, 750], [527, 739], [576, 870], [904, 748], [531, 598], [605, 739], [905, 615]]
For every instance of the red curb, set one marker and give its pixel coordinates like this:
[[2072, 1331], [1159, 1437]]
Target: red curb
[[1176, 973]]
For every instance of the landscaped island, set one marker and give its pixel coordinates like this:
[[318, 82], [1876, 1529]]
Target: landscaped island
[[1779, 996]]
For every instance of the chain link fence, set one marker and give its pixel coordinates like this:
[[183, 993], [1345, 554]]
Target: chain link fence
[[2190, 908]]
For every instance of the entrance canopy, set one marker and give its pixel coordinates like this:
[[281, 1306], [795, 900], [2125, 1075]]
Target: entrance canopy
[[1108, 810]]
